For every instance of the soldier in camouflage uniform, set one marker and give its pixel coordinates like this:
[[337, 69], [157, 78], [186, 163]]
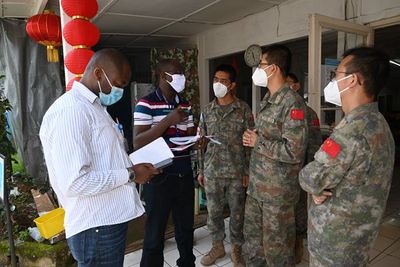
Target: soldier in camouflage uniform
[[279, 144], [313, 143], [351, 175], [224, 169]]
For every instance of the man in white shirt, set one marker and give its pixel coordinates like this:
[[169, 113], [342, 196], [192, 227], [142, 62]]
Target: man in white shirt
[[88, 167]]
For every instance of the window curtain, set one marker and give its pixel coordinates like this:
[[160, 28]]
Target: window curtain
[[188, 59]]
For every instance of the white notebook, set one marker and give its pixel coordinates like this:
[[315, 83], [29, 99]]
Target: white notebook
[[157, 153]]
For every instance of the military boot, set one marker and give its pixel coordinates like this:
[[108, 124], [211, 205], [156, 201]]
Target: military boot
[[298, 250], [236, 256], [217, 251]]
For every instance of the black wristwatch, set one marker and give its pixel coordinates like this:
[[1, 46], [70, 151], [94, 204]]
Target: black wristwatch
[[132, 176]]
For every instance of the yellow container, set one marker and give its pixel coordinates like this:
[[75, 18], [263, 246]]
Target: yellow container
[[51, 224]]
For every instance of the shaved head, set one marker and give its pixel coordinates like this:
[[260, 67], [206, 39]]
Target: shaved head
[[107, 58], [167, 65], [107, 67]]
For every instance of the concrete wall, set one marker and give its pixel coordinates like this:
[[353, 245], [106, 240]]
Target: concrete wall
[[284, 22]]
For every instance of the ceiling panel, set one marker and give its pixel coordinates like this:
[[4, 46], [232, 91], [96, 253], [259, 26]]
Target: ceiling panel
[[115, 40], [125, 24], [185, 28], [21, 8], [159, 8], [155, 41], [231, 10]]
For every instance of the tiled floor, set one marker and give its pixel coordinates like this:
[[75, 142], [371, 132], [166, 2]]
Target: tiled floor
[[385, 252]]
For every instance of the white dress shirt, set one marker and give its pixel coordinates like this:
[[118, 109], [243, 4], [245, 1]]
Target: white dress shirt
[[86, 160]]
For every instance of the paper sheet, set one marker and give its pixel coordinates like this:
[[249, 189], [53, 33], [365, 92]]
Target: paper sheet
[[157, 153]]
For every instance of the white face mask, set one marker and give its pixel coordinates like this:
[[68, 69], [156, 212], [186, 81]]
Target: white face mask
[[178, 82], [260, 77], [220, 89], [332, 93]]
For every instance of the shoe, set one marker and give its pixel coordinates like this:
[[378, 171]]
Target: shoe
[[217, 251], [236, 256]]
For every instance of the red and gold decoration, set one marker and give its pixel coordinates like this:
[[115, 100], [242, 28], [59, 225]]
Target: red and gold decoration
[[45, 29], [81, 34]]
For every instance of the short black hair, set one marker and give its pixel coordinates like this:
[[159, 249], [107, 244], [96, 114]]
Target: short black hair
[[163, 64], [293, 76], [372, 64], [228, 69], [279, 55]]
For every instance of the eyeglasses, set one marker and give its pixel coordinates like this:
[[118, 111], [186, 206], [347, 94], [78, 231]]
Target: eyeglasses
[[223, 81], [334, 72], [261, 64]]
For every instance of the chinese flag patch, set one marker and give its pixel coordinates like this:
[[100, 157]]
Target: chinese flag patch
[[331, 148], [297, 114], [315, 122]]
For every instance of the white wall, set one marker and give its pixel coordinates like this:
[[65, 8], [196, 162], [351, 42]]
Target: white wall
[[281, 23]]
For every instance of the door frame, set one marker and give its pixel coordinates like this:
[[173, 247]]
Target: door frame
[[316, 23]]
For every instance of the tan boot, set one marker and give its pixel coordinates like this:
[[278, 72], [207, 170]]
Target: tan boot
[[217, 251], [236, 256], [298, 249]]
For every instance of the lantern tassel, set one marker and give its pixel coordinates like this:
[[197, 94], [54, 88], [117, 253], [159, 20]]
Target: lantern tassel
[[55, 55], [52, 54]]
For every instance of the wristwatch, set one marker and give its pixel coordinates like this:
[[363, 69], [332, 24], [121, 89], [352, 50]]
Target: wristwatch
[[132, 176]]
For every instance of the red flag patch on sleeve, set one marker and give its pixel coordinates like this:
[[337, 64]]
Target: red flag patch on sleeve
[[297, 114], [331, 148], [315, 122]]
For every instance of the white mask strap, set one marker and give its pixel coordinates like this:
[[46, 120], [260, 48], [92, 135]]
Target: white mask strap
[[108, 80]]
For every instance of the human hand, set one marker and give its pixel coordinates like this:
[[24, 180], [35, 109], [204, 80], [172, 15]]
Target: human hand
[[250, 138], [245, 181], [200, 179], [177, 115], [202, 142], [321, 198], [144, 172]]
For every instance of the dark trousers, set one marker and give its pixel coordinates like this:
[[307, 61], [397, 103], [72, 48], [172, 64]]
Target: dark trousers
[[166, 193], [100, 246]]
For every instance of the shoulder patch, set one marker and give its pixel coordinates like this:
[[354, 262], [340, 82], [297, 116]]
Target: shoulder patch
[[331, 148], [315, 122], [297, 114]]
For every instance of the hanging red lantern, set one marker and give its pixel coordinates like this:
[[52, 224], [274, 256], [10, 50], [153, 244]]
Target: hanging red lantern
[[46, 30], [71, 82], [77, 59], [80, 9], [79, 32]]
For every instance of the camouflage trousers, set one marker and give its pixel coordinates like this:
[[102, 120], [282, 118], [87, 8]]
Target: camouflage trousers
[[350, 256], [322, 262], [300, 212], [220, 191], [269, 233]]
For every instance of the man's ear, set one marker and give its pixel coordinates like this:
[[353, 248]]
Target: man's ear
[[97, 73], [356, 80], [232, 86], [163, 76], [296, 86]]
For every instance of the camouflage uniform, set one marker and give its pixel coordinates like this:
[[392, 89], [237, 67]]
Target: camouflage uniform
[[276, 159], [356, 164], [225, 165], [313, 143]]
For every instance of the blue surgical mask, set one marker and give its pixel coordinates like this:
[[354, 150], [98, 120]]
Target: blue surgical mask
[[113, 97]]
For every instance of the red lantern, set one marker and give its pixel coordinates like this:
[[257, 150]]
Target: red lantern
[[46, 30], [80, 9], [77, 59], [71, 82], [81, 32]]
